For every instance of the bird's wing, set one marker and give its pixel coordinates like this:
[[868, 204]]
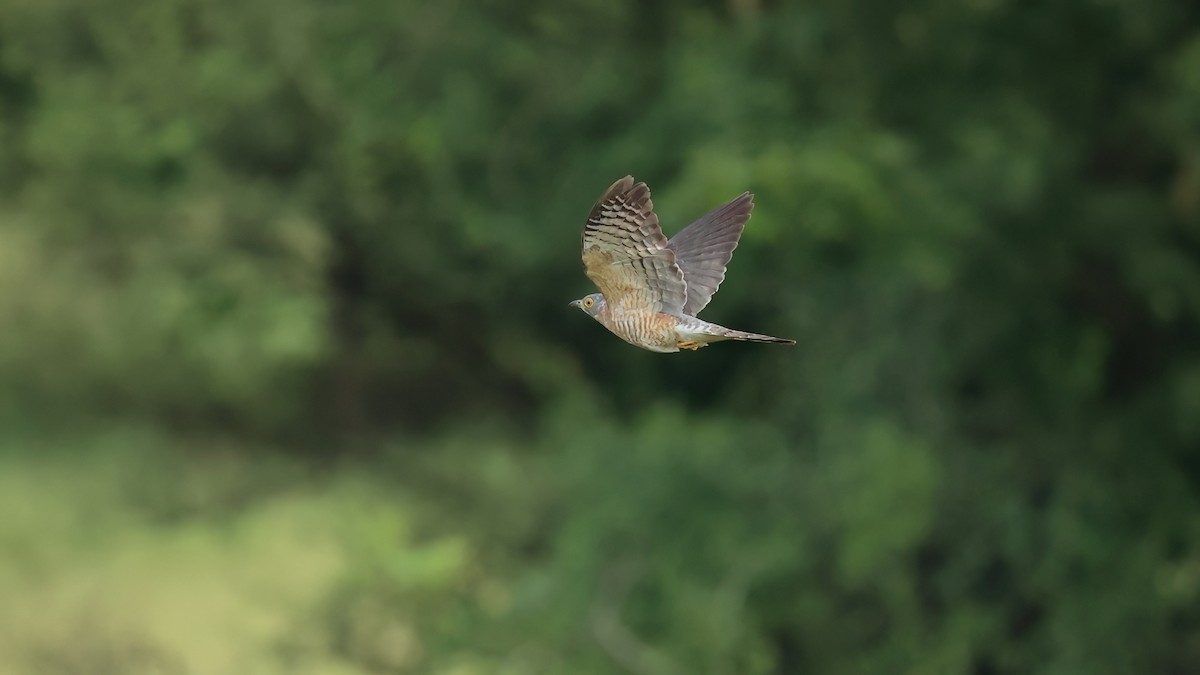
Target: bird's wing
[[703, 249], [626, 254]]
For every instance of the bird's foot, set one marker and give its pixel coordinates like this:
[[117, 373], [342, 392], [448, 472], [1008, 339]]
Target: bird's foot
[[689, 344]]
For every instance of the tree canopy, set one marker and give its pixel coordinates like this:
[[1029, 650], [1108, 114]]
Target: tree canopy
[[297, 267]]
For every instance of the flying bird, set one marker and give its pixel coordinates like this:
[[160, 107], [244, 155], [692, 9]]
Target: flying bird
[[652, 288]]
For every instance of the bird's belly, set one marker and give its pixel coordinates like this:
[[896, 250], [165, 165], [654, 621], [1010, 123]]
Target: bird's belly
[[655, 332]]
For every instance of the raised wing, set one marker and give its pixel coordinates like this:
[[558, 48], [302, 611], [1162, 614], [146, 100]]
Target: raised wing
[[703, 249], [626, 254]]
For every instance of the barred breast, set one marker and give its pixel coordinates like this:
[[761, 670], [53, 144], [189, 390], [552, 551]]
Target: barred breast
[[653, 331]]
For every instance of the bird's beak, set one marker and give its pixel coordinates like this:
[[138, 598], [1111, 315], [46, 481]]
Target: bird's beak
[[574, 303]]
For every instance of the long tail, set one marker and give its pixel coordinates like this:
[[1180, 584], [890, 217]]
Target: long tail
[[695, 333], [730, 334]]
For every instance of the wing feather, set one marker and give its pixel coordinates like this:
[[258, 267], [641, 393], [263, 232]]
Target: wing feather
[[704, 248], [626, 254]]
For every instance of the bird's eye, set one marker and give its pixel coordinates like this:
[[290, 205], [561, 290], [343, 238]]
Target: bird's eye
[[588, 302]]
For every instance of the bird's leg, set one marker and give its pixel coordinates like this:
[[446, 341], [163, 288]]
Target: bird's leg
[[690, 344]]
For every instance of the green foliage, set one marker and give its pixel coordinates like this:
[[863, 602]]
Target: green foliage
[[288, 383]]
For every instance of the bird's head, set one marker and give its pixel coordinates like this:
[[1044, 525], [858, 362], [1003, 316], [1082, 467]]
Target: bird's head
[[590, 304]]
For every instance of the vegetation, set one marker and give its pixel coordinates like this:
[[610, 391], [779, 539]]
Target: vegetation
[[288, 383]]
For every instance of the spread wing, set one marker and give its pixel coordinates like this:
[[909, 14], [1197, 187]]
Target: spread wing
[[626, 254], [703, 249]]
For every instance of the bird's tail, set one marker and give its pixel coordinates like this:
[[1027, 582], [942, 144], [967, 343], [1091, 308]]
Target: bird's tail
[[703, 332], [730, 334]]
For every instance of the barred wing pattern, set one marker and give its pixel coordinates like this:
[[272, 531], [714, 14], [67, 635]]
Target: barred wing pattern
[[626, 255], [704, 248]]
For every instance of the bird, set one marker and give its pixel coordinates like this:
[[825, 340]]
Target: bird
[[652, 288]]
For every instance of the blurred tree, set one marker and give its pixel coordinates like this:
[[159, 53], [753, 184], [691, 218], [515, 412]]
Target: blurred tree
[[320, 223]]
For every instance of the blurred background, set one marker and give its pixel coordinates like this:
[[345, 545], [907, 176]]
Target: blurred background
[[288, 383]]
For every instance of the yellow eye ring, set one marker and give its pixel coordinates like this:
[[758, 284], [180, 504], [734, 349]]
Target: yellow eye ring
[[588, 302]]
